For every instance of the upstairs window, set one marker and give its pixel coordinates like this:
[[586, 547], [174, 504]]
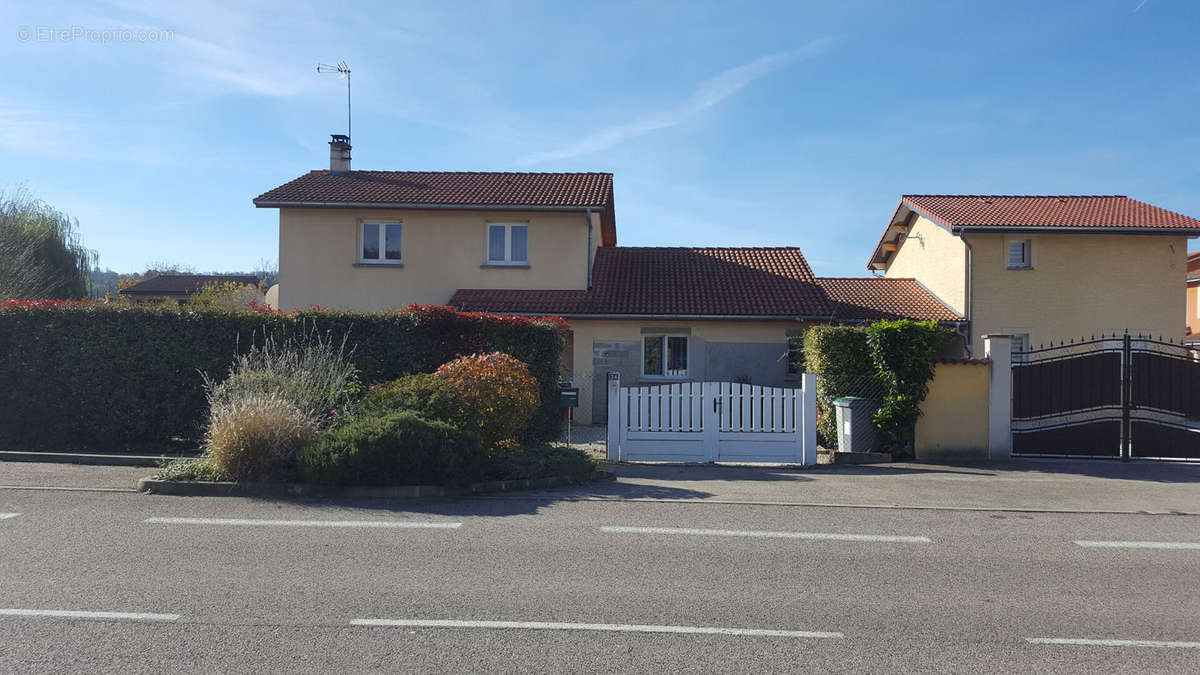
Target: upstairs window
[[508, 244], [665, 356], [1019, 254], [379, 243]]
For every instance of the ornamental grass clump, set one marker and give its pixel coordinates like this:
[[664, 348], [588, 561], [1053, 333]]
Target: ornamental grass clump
[[311, 372], [256, 436]]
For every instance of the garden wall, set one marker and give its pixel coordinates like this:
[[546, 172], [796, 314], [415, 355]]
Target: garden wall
[[101, 377], [954, 415]]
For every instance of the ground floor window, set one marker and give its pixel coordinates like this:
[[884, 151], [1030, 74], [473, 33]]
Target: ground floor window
[[665, 355], [1020, 346], [795, 354]]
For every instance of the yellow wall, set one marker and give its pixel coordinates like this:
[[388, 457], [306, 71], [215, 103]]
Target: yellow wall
[[936, 258], [586, 331], [442, 250], [1193, 320], [1080, 285], [954, 416]]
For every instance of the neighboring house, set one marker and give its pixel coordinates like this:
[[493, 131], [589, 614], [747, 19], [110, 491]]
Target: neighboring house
[[1192, 333], [545, 244], [179, 287], [1043, 268]]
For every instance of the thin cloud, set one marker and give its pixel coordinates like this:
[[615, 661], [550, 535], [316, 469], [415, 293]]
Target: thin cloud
[[1140, 6], [709, 93]]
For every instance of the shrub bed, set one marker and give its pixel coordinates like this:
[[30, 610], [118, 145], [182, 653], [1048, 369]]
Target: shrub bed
[[398, 448], [96, 376]]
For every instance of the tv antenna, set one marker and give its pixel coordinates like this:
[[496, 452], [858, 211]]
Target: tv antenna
[[343, 72]]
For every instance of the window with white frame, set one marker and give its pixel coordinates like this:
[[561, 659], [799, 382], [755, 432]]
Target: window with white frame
[[665, 356], [1019, 254], [379, 243], [507, 244]]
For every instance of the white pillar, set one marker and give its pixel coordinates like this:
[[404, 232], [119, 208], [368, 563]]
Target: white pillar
[[809, 383], [998, 348], [614, 416]]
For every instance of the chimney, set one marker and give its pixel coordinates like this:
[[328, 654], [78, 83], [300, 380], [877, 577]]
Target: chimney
[[339, 154]]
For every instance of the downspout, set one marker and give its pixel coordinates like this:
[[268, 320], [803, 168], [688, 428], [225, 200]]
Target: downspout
[[970, 291], [588, 214]]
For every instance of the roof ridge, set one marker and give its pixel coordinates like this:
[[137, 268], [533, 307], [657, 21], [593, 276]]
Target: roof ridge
[[866, 278], [482, 173], [702, 248], [1001, 196]]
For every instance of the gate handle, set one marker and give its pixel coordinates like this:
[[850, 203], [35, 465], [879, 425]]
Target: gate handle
[[716, 404]]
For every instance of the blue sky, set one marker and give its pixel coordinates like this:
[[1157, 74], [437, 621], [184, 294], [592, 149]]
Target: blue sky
[[736, 124]]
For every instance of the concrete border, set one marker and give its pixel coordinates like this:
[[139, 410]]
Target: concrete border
[[190, 488], [98, 459]]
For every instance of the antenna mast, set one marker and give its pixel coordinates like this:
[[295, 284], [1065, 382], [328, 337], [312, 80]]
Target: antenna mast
[[343, 72]]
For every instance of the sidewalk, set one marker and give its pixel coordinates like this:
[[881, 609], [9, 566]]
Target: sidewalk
[[73, 476], [1037, 485]]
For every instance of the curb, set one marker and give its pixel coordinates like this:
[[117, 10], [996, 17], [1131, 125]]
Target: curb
[[189, 488], [82, 458]]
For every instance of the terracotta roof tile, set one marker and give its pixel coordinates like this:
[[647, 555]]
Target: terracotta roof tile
[[446, 188], [1046, 211], [675, 281], [727, 282], [874, 298]]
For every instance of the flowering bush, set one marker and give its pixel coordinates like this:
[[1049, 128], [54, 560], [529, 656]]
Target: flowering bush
[[311, 372], [491, 395]]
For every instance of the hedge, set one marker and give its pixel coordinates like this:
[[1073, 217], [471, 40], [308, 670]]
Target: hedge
[[103, 376], [841, 360]]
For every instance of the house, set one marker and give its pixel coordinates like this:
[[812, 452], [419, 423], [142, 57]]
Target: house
[[546, 244], [179, 287], [1043, 268], [1192, 332]]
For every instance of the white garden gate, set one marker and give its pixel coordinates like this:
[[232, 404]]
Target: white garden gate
[[712, 422]]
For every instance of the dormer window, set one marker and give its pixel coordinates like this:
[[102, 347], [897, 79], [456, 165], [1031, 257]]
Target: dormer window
[[508, 244]]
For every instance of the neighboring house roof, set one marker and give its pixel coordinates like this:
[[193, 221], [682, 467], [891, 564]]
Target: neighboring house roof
[[1033, 213], [183, 284], [451, 189], [712, 282], [874, 298]]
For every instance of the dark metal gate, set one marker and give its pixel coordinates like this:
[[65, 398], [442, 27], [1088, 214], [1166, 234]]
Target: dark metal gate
[[1116, 397]]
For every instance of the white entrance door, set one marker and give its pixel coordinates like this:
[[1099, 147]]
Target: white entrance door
[[712, 422]]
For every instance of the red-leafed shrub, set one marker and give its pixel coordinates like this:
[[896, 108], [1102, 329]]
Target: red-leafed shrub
[[493, 396]]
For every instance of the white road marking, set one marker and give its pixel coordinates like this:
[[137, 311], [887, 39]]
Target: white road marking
[[1140, 544], [819, 536], [73, 614], [8, 515], [402, 524], [1112, 643], [603, 627]]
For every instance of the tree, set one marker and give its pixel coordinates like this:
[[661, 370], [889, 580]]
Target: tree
[[41, 255]]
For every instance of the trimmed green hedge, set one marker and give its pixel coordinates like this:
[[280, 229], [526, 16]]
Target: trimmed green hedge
[[76, 375], [841, 360]]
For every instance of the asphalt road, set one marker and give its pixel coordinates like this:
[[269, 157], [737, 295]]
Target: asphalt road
[[281, 587]]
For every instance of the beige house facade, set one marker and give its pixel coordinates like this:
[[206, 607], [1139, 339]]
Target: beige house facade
[[545, 244], [1043, 269]]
